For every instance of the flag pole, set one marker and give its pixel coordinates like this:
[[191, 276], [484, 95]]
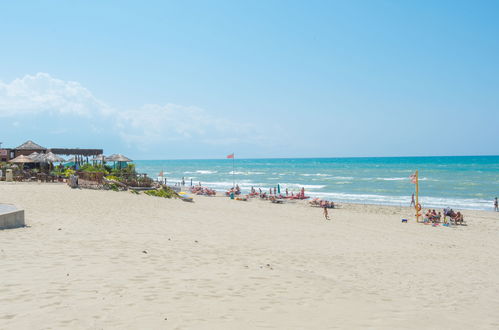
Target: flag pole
[[417, 196], [233, 171]]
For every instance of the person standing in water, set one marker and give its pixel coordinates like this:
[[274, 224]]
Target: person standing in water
[[413, 202], [496, 205]]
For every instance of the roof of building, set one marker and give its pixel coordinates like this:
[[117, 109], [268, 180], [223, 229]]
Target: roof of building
[[77, 151], [30, 145]]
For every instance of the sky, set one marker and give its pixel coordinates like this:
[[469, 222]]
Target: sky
[[262, 79]]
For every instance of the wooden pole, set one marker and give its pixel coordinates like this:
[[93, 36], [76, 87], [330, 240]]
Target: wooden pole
[[233, 171], [417, 197]]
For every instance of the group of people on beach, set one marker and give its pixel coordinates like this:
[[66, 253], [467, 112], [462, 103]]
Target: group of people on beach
[[199, 190], [433, 217], [321, 203]]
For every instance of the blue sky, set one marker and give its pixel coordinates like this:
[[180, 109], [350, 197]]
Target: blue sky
[[201, 79]]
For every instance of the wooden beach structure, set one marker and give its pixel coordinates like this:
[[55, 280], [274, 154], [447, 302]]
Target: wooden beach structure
[[80, 155], [29, 147]]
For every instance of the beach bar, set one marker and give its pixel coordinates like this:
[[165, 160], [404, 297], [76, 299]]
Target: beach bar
[[80, 155], [29, 147]]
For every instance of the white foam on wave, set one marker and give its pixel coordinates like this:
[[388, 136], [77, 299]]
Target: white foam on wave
[[311, 190], [245, 173], [314, 174], [395, 179], [299, 186], [206, 172], [426, 202], [201, 172]]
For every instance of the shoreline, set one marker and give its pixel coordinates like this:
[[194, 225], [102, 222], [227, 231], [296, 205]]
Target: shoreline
[[220, 193]]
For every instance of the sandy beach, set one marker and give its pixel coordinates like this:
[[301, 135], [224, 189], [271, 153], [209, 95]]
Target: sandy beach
[[114, 260]]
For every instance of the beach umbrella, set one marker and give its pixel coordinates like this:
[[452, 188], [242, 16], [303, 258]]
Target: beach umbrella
[[33, 155], [121, 158], [37, 157], [53, 158], [99, 158], [21, 160], [118, 158]]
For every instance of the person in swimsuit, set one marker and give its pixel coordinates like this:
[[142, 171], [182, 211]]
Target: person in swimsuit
[[326, 215]]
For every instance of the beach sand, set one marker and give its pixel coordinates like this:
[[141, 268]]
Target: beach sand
[[115, 260]]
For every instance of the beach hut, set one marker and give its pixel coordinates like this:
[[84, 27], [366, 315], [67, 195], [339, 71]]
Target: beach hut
[[29, 147]]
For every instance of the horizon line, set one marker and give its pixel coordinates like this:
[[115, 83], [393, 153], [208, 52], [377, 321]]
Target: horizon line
[[322, 157]]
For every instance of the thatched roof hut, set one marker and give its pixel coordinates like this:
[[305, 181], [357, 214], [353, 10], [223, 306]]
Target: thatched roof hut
[[28, 147]]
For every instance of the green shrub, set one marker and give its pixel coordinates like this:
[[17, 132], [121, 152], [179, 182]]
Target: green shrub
[[112, 177], [68, 172], [93, 168], [163, 192], [112, 186]]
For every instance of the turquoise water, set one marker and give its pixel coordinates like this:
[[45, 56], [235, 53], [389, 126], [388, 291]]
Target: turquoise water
[[469, 182]]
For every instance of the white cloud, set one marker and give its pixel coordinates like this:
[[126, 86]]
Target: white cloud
[[143, 127], [154, 123], [42, 93]]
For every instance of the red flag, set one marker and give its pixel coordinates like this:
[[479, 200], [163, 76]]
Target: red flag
[[230, 156], [413, 178]]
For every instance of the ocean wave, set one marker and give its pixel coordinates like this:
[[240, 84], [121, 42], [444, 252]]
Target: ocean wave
[[245, 173], [201, 172], [206, 172], [299, 186], [396, 179], [426, 202], [314, 174], [380, 199]]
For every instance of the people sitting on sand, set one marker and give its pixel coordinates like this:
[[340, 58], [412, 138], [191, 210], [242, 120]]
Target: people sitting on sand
[[198, 190], [458, 218], [322, 203]]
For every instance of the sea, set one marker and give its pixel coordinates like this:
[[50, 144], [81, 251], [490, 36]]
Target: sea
[[461, 182]]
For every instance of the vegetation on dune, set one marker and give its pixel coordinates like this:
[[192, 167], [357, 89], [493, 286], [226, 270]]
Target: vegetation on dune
[[89, 168], [164, 192]]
